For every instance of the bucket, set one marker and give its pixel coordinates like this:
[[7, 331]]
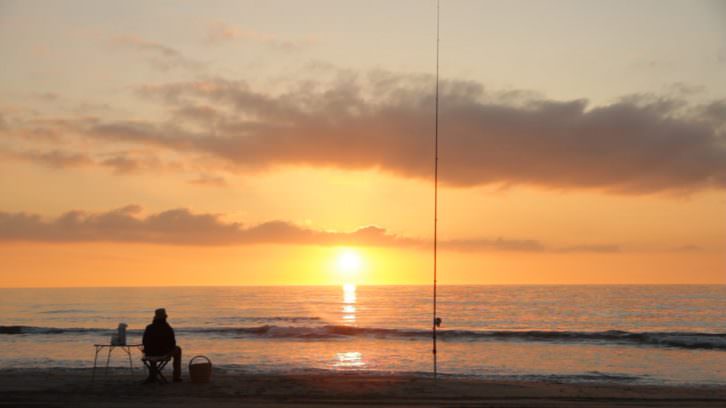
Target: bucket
[[200, 372]]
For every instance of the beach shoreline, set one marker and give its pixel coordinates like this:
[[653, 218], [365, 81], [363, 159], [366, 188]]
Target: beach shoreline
[[61, 387]]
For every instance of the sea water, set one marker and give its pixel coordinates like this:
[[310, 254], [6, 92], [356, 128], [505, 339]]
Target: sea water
[[635, 334]]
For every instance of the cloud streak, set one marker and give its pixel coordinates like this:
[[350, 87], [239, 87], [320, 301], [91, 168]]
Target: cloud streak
[[158, 55], [58, 159], [183, 227], [120, 162], [219, 32], [209, 180]]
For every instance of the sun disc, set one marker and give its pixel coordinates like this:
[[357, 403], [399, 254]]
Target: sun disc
[[349, 262]]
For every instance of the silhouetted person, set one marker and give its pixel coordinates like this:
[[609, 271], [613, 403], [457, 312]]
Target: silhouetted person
[[159, 340]]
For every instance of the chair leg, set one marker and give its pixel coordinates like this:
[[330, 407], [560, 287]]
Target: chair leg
[[156, 372], [160, 371], [151, 367]]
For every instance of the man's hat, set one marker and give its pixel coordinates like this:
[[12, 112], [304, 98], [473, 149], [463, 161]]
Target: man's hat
[[160, 313]]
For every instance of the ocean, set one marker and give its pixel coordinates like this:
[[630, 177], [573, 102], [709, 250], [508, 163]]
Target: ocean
[[673, 334]]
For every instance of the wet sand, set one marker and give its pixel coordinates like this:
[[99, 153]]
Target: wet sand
[[120, 388]]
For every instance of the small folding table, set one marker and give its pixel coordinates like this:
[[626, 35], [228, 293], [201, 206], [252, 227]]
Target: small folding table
[[126, 349]]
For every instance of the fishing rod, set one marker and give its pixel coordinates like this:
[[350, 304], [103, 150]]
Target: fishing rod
[[436, 320]]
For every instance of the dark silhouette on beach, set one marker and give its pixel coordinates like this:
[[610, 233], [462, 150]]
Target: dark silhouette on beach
[[159, 340]]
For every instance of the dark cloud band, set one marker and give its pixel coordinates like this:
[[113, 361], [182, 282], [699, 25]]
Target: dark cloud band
[[640, 144], [637, 145]]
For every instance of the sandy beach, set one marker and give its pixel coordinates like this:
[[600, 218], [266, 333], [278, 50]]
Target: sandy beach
[[73, 387]]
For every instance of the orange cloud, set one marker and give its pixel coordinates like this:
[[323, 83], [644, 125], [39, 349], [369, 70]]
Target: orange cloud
[[183, 227]]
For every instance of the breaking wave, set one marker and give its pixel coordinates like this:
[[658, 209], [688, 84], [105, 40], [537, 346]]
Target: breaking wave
[[686, 340]]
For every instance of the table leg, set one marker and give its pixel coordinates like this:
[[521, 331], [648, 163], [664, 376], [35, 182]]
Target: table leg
[[95, 359], [131, 363], [108, 359]]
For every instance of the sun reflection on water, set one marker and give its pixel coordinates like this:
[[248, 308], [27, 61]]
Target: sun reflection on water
[[349, 299], [350, 359], [349, 293]]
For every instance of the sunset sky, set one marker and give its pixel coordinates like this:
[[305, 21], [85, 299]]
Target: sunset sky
[[253, 143]]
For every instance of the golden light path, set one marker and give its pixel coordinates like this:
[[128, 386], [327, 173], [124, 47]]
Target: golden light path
[[349, 359], [349, 265], [349, 298]]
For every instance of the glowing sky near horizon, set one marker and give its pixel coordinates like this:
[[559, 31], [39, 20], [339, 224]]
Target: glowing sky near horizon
[[233, 143]]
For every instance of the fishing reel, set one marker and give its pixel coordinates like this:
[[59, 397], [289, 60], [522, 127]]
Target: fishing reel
[[438, 322]]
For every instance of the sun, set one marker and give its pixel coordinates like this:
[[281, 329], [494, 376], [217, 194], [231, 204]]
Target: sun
[[349, 262]]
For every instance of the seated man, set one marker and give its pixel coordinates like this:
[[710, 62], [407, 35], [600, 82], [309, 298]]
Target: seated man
[[159, 340]]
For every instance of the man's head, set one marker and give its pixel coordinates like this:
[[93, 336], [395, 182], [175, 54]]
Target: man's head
[[160, 314]]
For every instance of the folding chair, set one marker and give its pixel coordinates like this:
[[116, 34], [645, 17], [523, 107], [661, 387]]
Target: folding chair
[[156, 365]]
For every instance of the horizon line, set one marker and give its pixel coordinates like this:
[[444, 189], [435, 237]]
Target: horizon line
[[358, 285]]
